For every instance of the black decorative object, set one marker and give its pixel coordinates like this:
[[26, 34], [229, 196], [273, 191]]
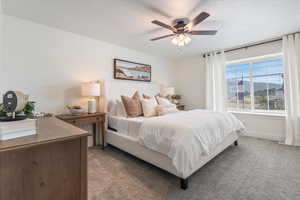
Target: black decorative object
[[14, 103], [10, 101]]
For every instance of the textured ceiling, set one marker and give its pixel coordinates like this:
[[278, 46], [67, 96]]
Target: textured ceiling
[[128, 22]]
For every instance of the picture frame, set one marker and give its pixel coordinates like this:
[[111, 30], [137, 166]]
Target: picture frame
[[127, 70]]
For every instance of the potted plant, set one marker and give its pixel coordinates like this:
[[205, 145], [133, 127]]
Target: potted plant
[[175, 98], [27, 110]]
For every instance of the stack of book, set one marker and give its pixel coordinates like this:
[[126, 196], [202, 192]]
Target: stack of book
[[15, 129]]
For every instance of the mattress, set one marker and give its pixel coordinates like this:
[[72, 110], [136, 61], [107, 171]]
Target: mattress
[[127, 126]]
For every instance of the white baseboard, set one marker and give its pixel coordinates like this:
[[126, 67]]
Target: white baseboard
[[267, 136]]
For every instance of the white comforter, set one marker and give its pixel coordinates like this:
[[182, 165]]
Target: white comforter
[[186, 136]]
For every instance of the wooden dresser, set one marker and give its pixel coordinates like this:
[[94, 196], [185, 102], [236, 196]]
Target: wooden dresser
[[47, 166]]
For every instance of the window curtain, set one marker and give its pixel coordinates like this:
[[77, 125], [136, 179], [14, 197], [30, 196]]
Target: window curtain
[[291, 52], [215, 81], [2, 85]]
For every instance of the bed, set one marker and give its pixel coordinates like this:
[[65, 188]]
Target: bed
[[180, 143]]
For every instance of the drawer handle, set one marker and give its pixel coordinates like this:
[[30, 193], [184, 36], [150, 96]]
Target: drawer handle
[[74, 121]]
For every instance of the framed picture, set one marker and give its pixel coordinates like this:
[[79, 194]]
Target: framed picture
[[127, 70]]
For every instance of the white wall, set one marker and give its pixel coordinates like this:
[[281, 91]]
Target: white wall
[[191, 81], [263, 126], [50, 64]]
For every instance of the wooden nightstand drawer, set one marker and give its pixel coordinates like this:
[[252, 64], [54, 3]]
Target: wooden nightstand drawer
[[86, 119]]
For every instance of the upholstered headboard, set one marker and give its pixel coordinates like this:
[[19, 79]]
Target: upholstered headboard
[[112, 90], [116, 88]]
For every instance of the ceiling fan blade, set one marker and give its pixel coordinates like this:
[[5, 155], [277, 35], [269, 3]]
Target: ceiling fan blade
[[210, 32], [158, 38], [197, 7], [164, 25], [201, 17], [148, 6]]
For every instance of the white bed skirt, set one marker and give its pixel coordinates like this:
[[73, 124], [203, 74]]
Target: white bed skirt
[[132, 147]]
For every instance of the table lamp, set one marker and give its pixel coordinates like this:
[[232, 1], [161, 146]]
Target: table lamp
[[91, 90], [167, 91]]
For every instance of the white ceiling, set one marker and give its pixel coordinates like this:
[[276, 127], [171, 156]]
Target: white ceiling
[[128, 22]]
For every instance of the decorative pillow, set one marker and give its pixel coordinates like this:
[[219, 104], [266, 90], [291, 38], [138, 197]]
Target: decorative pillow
[[111, 108], [132, 105], [120, 109], [146, 96], [166, 109], [163, 101], [149, 107], [116, 108]]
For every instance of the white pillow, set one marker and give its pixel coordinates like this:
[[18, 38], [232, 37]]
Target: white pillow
[[120, 109], [111, 108], [163, 101], [116, 108], [166, 109], [149, 107]]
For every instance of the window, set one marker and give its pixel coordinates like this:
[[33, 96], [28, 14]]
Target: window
[[256, 85]]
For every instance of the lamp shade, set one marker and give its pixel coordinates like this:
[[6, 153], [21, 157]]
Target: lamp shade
[[165, 91], [90, 89]]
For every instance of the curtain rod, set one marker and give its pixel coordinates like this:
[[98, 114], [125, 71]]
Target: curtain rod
[[253, 45], [250, 45]]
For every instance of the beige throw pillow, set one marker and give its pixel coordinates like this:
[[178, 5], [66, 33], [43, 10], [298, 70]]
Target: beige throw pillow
[[133, 105], [149, 107]]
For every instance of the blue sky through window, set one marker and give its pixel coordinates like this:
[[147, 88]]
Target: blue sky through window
[[256, 85], [237, 71], [260, 70]]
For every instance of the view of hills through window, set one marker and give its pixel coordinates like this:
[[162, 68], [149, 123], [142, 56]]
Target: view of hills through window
[[256, 85]]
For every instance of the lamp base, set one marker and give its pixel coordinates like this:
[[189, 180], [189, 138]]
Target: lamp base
[[92, 108]]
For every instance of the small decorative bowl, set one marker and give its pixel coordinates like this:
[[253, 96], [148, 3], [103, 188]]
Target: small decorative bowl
[[76, 111]]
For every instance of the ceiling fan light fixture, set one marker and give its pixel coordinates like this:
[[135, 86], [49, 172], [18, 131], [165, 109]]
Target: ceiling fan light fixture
[[183, 28], [181, 40], [187, 40]]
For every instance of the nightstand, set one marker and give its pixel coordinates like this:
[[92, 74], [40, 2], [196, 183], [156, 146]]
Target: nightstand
[[180, 106], [87, 119]]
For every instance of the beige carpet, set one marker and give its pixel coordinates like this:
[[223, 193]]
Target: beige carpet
[[256, 169]]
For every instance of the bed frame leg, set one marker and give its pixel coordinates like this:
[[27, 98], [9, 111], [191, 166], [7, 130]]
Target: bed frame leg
[[236, 143], [184, 183]]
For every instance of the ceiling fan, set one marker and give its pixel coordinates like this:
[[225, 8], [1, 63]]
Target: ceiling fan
[[182, 29]]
